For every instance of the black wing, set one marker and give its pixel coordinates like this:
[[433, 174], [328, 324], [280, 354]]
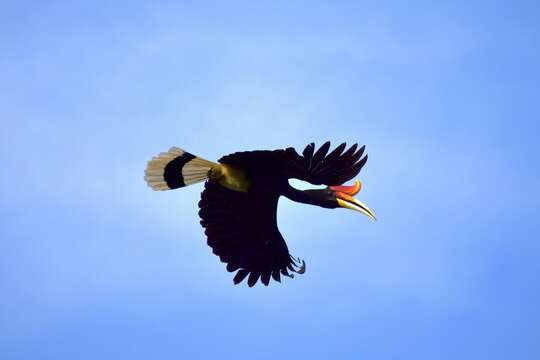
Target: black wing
[[242, 230], [319, 167]]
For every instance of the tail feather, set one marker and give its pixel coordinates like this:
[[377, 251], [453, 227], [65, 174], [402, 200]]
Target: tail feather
[[176, 168]]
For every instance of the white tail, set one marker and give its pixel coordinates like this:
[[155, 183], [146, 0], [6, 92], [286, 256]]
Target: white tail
[[176, 168]]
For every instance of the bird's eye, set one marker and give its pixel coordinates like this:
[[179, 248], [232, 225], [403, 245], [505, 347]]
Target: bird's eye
[[304, 185]]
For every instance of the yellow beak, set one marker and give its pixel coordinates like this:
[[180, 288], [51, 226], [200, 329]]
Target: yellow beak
[[354, 204], [344, 199]]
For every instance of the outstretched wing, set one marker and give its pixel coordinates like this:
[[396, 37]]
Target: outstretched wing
[[319, 167], [242, 230]]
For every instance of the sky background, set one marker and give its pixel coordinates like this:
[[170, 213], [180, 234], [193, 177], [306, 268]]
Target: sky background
[[445, 94]]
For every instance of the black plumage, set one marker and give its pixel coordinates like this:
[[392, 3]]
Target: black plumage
[[239, 202], [241, 227]]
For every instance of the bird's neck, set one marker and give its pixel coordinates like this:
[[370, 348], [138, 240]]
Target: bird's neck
[[304, 197]]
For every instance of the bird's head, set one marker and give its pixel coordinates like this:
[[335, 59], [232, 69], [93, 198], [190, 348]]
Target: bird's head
[[333, 197]]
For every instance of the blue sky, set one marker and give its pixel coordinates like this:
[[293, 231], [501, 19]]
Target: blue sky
[[94, 265]]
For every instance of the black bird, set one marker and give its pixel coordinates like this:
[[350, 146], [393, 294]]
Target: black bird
[[239, 202]]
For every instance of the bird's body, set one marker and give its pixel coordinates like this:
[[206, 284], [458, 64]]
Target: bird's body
[[239, 203], [241, 227]]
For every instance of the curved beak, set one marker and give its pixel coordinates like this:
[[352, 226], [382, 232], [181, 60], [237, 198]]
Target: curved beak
[[344, 197]]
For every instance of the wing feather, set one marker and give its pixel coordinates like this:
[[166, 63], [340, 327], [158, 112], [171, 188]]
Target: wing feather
[[241, 229], [318, 168]]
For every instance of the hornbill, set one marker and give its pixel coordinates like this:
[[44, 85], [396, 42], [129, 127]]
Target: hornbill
[[239, 202]]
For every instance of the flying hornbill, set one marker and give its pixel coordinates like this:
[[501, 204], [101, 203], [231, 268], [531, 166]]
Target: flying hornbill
[[239, 202]]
